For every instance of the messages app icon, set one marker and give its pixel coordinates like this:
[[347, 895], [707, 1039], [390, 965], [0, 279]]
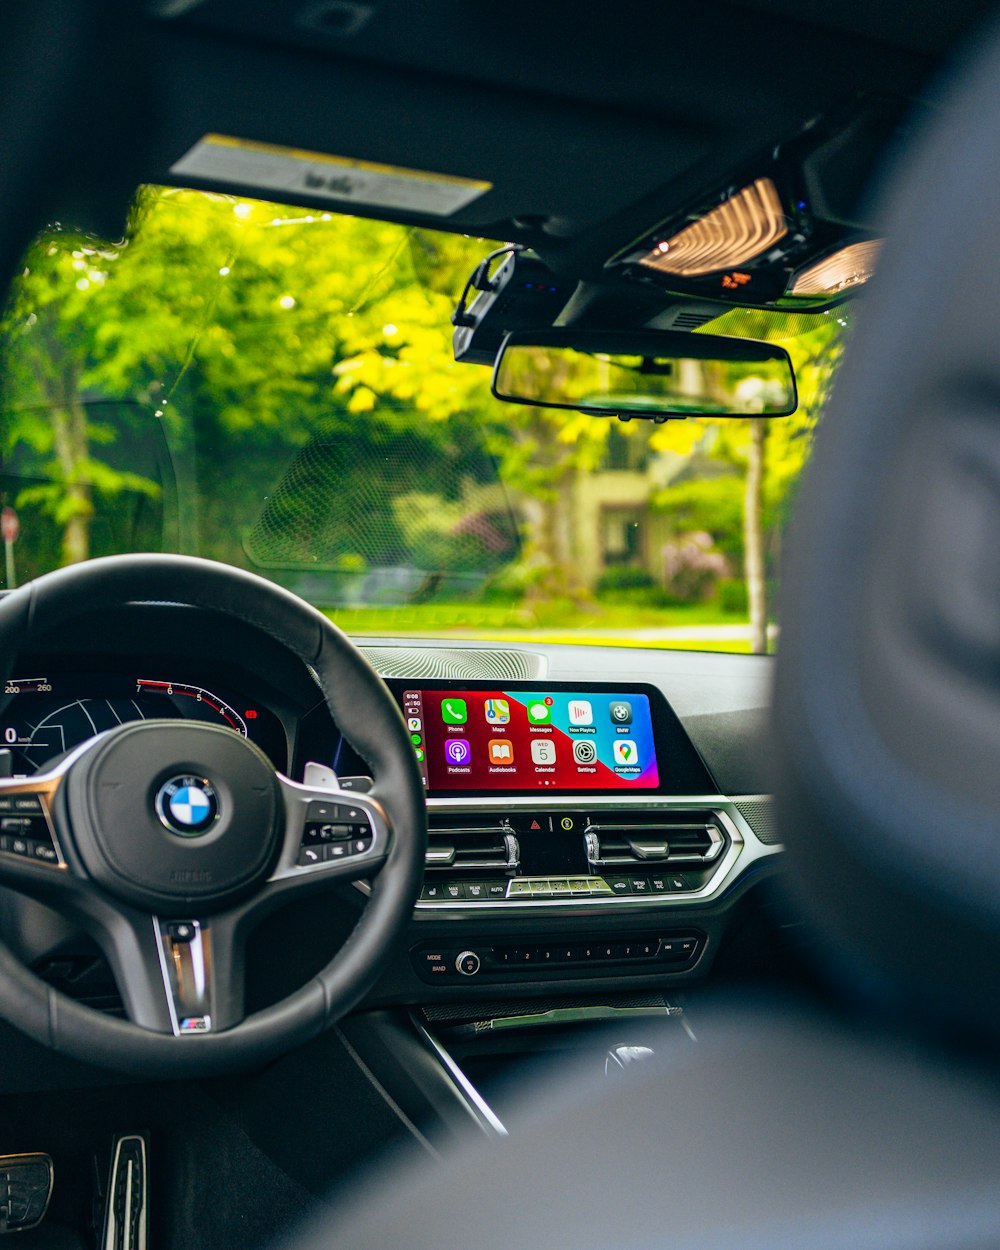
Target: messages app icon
[[539, 712], [454, 711]]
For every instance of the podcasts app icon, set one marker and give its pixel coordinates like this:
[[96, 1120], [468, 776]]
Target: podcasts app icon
[[457, 751]]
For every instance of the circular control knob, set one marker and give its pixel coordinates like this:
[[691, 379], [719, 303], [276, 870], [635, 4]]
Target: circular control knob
[[468, 963]]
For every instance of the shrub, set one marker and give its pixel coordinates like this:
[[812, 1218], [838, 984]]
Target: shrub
[[623, 583], [732, 592], [692, 566]]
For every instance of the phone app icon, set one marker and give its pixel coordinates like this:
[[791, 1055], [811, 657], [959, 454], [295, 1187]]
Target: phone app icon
[[501, 751], [581, 712], [413, 724], [584, 751], [625, 752], [543, 750], [539, 712], [497, 711], [621, 713], [421, 755], [457, 751], [454, 711]]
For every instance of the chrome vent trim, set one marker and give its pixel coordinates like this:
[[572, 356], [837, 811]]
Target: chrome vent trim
[[469, 844], [647, 839], [741, 852], [456, 663]]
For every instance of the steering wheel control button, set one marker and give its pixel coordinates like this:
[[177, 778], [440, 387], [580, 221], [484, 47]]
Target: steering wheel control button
[[187, 805], [181, 931], [468, 963], [24, 829], [17, 825], [333, 831]]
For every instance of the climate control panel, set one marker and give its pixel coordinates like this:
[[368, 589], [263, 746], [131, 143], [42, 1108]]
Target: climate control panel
[[512, 855]]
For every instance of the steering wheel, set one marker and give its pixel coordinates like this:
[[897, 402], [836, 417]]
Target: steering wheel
[[169, 841]]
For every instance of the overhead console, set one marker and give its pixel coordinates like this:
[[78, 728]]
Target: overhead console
[[563, 796]]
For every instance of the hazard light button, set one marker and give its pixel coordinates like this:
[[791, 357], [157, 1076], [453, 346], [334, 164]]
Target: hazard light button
[[523, 823]]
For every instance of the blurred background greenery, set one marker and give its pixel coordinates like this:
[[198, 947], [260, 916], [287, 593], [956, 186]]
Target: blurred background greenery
[[275, 388]]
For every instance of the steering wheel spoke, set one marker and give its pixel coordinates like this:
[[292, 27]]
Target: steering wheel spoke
[[330, 834], [28, 839], [176, 976], [201, 966]]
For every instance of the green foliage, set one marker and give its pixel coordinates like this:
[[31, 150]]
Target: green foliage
[[731, 593], [275, 387], [710, 504], [626, 584]]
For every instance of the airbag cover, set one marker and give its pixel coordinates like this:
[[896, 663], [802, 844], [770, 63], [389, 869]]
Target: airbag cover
[[159, 843]]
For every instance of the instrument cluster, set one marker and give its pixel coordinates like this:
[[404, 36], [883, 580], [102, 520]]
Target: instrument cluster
[[43, 716]]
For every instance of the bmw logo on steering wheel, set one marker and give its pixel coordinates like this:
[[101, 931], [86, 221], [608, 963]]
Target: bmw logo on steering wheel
[[187, 805]]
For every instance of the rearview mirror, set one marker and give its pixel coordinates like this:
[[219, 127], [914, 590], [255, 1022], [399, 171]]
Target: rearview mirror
[[656, 374]]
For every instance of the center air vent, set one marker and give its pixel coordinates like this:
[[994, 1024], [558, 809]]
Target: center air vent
[[653, 839], [470, 843]]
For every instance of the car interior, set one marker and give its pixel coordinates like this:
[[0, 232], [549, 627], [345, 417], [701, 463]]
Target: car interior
[[305, 951]]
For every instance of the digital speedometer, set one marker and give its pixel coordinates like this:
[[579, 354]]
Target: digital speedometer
[[44, 717]]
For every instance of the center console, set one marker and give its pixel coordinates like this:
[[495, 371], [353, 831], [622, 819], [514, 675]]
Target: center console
[[574, 832]]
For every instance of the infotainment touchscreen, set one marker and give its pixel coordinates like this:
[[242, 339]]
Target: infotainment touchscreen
[[513, 739]]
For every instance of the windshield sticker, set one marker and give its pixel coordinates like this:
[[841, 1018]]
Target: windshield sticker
[[224, 160]]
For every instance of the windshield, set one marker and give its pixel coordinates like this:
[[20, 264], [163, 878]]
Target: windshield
[[275, 388]]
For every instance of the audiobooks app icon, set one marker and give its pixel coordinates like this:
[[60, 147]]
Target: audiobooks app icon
[[501, 751]]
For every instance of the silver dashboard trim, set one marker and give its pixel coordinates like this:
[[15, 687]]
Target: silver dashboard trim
[[482, 1112], [744, 850]]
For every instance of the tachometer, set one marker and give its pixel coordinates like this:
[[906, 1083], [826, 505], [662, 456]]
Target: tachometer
[[213, 705]]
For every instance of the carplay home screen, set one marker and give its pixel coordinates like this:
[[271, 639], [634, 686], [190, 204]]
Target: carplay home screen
[[531, 740]]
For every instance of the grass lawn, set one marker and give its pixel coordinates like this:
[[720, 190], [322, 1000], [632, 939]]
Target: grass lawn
[[603, 624]]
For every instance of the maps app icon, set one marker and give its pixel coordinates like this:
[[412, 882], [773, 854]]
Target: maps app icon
[[497, 711], [625, 753]]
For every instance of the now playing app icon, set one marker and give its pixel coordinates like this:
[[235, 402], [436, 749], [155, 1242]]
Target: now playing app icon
[[625, 753]]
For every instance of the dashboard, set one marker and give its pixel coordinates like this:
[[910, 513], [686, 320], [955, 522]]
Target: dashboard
[[582, 834]]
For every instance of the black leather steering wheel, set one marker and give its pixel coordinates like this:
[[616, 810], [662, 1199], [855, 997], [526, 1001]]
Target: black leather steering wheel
[[168, 841]]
